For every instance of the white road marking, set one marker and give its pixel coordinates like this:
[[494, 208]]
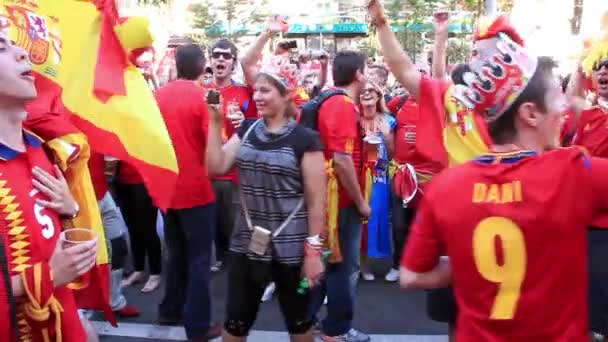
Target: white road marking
[[166, 333]]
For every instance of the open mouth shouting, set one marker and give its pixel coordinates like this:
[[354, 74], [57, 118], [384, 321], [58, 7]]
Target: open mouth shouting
[[27, 75], [602, 82]]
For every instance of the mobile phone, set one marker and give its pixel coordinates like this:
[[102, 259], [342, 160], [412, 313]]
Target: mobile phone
[[213, 97]]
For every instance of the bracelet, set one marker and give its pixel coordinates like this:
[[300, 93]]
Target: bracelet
[[314, 251], [315, 240]]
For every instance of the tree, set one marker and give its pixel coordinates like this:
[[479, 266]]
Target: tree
[[458, 50], [408, 15], [232, 19], [204, 21], [368, 46]]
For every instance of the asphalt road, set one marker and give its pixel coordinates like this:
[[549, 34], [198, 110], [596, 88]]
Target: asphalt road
[[381, 310]]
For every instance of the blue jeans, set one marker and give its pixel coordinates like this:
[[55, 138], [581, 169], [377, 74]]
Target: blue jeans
[[188, 237], [341, 276], [114, 230]]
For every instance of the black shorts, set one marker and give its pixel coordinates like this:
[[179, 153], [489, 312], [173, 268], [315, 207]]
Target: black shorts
[[247, 280], [598, 280], [441, 305]]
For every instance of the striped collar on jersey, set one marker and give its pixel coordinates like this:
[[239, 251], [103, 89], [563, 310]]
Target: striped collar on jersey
[[31, 139], [504, 157]]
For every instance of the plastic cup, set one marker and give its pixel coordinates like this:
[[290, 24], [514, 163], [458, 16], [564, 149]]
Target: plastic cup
[[73, 237]]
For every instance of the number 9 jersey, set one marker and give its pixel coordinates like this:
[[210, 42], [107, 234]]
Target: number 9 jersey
[[514, 226]]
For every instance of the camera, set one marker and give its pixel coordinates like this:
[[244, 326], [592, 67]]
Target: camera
[[213, 97], [288, 45]]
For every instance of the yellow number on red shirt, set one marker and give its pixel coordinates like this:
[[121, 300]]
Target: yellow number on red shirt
[[509, 275]]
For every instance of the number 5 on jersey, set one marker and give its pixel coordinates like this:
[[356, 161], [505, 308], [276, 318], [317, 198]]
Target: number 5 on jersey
[[510, 273]]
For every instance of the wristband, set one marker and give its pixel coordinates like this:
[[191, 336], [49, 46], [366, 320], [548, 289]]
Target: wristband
[[315, 240], [310, 250]]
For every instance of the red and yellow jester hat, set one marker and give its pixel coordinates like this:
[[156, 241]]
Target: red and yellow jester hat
[[487, 28], [597, 51]]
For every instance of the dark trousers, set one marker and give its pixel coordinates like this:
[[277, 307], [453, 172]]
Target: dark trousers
[[247, 280], [188, 238], [225, 195], [340, 282], [140, 216], [402, 220], [598, 280]]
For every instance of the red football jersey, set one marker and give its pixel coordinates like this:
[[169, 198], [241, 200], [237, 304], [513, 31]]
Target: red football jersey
[[592, 131], [406, 140], [340, 133], [187, 122], [244, 96], [515, 229], [30, 231]]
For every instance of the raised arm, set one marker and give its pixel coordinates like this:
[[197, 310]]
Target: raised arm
[[576, 92], [219, 159], [250, 59], [324, 70], [397, 60], [442, 24]]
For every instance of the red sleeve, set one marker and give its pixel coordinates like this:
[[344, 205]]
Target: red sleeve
[[432, 95], [599, 182], [432, 111], [424, 245], [338, 124], [251, 112], [394, 103], [579, 128]]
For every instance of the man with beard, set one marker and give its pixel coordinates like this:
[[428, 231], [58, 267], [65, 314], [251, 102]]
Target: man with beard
[[237, 105]]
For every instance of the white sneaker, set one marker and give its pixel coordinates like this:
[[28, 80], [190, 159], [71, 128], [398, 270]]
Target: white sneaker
[[368, 276], [392, 275], [325, 301], [269, 292]]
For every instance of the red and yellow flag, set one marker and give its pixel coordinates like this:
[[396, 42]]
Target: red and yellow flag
[[82, 54]]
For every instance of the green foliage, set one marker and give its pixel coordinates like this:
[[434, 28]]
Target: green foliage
[[458, 50], [369, 46], [404, 12], [211, 20]]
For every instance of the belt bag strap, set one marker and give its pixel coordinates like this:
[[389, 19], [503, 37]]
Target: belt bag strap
[[242, 199]]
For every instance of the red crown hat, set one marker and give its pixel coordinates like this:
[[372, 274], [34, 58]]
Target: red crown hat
[[496, 80], [282, 70], [487, 28]]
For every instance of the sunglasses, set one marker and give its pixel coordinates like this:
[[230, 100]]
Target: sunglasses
[[225, 55], [598, 66]]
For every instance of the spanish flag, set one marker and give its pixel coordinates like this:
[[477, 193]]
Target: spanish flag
[[89, 92], [70, 151], [82, 53]]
